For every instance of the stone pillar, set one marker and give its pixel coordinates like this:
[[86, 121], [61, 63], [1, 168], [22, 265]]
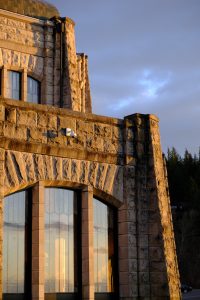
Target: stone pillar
[[4, 82], [127, 234], [87, 245], [163, 262], [142, 204], [47, 92], [71, 97], [88, 99], [84, 85], [38, 242]]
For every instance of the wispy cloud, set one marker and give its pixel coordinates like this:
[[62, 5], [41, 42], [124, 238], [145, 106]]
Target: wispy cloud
[[152, 83], [121, 104]]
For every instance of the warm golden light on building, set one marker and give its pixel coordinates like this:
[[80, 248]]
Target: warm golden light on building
[[84, 204]]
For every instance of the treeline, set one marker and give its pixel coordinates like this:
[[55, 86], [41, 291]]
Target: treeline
[[184, 188]]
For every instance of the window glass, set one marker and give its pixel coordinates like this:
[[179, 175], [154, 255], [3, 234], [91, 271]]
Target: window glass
[[103, 247], [33, 90], [14, 222], [60, 241], [14, 85]]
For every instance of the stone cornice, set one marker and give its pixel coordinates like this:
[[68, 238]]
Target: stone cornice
[[60, 151], [23, 18], [60, 111]]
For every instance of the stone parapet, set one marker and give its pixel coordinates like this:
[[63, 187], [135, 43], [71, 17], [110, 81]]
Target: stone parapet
[[44, 125]]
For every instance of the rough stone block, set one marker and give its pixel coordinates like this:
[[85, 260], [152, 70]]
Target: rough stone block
[[110, 146], [95, 144], [28, 118], [11, 115], [59, 140], [129, 134], [84, 127], [24, 60], [47, 120], [77, 143], [117, 133], [1, 128], [16, 24], [104, 131], [3, 20], [38, 135], [15, 132], [65, 122]]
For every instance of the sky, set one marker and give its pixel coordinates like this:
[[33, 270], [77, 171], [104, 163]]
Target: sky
[[144, 57]]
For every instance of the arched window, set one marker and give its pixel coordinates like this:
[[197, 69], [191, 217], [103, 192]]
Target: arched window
[[104, 251], [33, 90], [61, 274], [14, 85], [17, 247]]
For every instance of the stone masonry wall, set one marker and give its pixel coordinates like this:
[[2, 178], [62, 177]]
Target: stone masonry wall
[[33, 46], [21, 122], [121, 160]]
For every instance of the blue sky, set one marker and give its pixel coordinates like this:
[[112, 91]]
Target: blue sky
[[144, 56]]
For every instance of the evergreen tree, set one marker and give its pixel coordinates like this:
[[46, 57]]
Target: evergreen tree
[[184, 187]]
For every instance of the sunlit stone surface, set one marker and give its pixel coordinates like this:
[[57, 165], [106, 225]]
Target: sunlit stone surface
[[31, 8]]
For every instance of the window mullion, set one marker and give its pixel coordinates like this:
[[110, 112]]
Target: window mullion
[[38, 242], [24, 85]]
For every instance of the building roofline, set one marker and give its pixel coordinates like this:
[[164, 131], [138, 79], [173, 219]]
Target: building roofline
[[24, 18]]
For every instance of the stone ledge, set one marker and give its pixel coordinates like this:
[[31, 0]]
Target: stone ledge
[[44, 108], [24, 18], [11, 144], [11, 45]]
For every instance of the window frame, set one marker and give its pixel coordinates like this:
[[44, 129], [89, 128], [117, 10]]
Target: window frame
[[39, 89], [20, 73], [77, 222], [115, 294], [36, 192], [27, 250]]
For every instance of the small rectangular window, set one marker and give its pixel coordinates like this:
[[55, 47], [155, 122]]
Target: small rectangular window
[[14, 85], [33, 89]]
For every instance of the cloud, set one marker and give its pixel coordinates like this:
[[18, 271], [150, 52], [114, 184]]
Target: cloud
[[121, 104], [152, 85]]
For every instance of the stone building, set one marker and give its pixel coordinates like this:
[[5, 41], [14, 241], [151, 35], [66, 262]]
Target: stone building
[[84, 201]]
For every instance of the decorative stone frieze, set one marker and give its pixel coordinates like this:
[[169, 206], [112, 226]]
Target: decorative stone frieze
[[24, 169]]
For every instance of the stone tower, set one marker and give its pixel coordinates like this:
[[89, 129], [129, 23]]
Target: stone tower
[[84, 203]]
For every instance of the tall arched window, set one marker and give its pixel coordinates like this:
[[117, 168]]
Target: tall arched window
[[105, 249], [17, 246], [61, 274], [33, 90]]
